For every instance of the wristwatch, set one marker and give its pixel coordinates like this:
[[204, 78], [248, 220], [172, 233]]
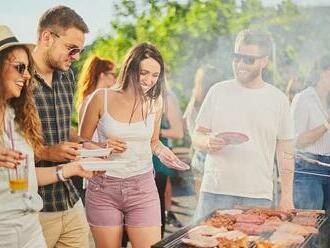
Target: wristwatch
[[59, 173]]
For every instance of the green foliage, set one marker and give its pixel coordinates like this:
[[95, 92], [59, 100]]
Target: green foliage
[[190, 33]]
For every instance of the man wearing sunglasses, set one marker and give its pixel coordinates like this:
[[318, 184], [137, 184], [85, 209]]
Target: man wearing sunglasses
[[257, 115], [61, 36]]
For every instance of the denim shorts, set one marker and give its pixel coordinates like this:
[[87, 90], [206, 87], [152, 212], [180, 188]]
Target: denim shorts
[[133, 201]]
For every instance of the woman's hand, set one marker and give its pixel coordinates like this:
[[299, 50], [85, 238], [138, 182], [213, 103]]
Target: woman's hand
[[9, 158], [75, 169], [118, 145], [168, 158]]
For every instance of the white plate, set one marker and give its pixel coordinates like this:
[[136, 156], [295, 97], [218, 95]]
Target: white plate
[[102, 165], [89, 153]]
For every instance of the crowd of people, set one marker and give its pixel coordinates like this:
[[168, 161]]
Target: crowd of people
[[136, 115]]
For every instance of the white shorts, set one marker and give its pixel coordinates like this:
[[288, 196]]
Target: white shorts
[[22, 232]]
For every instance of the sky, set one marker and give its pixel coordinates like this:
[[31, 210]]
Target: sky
[[22, 15]]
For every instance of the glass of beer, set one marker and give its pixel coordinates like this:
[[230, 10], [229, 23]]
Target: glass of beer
[[18, 177]]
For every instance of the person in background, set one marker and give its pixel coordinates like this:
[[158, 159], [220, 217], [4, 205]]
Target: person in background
[[20, 127], [243, 173], [61, 36], [171, 127], [293, 87], [128, 118], [311, 115], [205, 77], [96, 73], [290, 75]]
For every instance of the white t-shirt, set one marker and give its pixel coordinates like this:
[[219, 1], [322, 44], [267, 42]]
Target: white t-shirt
[[264, 116], [308, 114]]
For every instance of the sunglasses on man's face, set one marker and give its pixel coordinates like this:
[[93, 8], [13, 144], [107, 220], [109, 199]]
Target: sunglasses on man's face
[[20, 67], [71, 51], [74, 51], [247, 59]]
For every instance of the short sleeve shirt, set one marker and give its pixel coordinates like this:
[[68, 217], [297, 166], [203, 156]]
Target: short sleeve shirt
[[54, 105], [264, 116]]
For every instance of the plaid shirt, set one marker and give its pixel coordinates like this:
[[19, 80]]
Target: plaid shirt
[[54, 105]]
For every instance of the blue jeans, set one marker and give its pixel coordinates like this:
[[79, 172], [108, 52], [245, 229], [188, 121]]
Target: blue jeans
[[313, 192], [209, 202]]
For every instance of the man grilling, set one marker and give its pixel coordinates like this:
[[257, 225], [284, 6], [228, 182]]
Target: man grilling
[[241, 124]]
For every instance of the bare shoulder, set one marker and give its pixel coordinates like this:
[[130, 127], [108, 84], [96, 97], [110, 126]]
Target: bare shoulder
[[114, 92], [97, 98]]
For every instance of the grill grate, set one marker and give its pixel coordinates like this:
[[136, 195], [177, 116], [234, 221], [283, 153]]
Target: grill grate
[[321, 219], [174, 240]]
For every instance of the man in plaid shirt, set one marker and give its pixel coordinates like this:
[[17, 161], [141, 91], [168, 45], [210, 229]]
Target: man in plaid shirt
[[61, 35]]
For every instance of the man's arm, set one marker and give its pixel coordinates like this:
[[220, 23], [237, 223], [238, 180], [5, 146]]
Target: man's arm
[[285, 161], [200, 138], [62, 152]]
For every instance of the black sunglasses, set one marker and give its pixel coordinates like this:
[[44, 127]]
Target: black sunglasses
[[247, 59], [75, 50], [20, 67], [71, 51]]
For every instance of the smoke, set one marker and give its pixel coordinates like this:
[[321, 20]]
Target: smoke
[[297, 44]]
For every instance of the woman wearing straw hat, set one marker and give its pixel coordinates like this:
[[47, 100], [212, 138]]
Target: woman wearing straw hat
[[20, 130]]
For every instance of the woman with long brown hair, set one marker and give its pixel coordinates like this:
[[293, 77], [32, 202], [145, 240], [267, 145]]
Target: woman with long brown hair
[[20, 129], [128, 118]]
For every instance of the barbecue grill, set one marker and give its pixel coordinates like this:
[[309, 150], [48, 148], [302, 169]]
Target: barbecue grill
[[174, 240]]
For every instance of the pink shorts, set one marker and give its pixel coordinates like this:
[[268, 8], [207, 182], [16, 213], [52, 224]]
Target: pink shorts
[[133, 201]]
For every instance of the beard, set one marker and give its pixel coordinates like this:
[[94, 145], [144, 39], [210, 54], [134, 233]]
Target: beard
[[54, 64], [246, 77]]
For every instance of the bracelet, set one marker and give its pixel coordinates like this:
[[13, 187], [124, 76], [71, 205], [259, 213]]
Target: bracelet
[[59, 173], [327, 125]]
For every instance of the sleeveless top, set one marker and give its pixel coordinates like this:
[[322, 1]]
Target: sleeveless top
[[137, 159], [14, 205]]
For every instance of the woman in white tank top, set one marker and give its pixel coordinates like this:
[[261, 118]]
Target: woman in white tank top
[[128, 119]]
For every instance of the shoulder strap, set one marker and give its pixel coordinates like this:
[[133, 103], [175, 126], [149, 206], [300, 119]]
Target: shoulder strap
[[105, 100]]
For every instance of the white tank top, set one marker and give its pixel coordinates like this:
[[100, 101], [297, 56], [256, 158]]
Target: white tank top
[[137, 136]]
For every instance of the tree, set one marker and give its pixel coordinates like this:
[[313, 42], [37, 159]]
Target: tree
[[192, 33]]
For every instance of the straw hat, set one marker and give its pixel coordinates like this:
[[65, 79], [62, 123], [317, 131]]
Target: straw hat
[[8, 39]]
